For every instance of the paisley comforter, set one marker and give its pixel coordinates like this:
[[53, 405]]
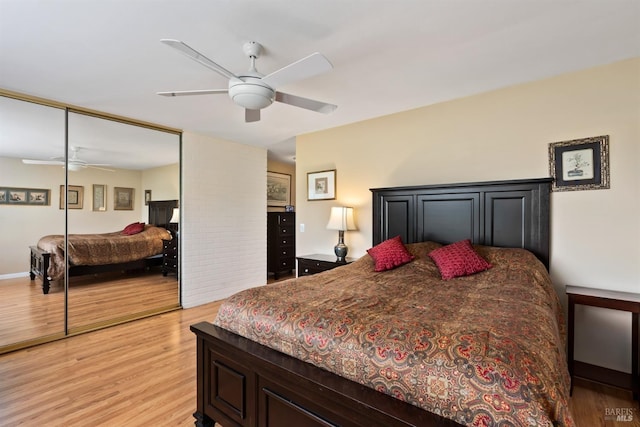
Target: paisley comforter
[[100, 249], [483, 350]]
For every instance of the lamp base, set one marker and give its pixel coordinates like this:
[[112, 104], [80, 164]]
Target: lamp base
[[341, 249]]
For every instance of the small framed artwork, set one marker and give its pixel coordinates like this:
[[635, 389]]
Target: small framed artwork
[[75, 196], [123, 198], [580, 164], [147, 197], [16, 196], [321, 185], [24, 196], [278, 189], [99, 197], [38, 197]]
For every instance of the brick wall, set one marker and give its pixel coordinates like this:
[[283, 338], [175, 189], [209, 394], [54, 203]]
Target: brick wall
[[224, 207]]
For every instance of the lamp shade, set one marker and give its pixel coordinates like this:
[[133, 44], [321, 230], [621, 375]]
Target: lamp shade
[[341, 219], [175, 218]]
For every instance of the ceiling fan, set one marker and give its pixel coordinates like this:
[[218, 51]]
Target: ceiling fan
[[75, 163], [253, 90]]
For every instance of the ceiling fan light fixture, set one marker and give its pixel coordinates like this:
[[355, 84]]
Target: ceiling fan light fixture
[[251, 96], [74, 167]]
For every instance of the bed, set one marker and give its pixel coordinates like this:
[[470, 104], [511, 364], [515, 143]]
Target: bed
[[483, 349], [100, 253]]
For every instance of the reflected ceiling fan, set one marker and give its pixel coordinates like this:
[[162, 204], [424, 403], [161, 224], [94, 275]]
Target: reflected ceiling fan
[[253, 90], [75, 163]]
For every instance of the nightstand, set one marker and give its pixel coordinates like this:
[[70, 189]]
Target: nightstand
[[624, 301], [170, 255], [316, 263]]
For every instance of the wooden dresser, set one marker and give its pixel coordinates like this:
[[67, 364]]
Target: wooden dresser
[[281, 242]]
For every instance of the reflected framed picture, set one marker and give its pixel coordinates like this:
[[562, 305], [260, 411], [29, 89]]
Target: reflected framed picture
[[24, 196], [321, 185], [580, 164], [75, 196], [99, 197], [278, 189], [123, 198]]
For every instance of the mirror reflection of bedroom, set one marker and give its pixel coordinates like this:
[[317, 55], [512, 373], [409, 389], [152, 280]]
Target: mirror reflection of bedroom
[[120, 258]]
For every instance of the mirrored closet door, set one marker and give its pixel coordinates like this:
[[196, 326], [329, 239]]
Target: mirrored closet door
[[28, 211], [128, 169], [116, 173]]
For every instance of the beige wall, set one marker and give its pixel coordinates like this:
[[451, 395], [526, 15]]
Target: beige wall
[[224, 223], [504, 134], [164, 183], [289, 169]]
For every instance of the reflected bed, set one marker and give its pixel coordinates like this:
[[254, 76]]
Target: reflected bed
[[98, 253]]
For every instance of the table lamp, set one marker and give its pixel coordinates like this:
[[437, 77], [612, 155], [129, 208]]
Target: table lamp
[[341, 219]]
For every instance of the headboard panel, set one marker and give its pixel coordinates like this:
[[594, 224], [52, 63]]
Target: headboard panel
[[498, 213], [160, 212]]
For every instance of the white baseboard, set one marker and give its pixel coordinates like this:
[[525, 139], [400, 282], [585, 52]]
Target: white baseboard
[[13, 275]]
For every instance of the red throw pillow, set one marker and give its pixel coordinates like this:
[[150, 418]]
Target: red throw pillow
[[458, 259], [133, 228], [390, 254]]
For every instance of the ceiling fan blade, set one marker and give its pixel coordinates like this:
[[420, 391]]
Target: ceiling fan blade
[[42, 162], [101, 168], [310, 66], [193, 92], [198, 57], [251, 115], [309, 104]]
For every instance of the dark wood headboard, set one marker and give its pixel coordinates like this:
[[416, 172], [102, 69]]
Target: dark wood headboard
[[160, 212], [498, 213]]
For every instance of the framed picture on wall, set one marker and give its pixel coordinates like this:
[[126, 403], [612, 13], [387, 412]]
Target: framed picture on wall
[[278, 189], [147, 197], [24, 196], [580, 164], [99, 197], [123, 198], [321, 185], [75, 196], [38, 197]]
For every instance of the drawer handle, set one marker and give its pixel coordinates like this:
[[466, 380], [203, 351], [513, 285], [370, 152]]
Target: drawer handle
[[306, 270], [284, 241]]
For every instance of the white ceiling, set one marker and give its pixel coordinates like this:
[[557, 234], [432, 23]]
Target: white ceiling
[[388, 55]]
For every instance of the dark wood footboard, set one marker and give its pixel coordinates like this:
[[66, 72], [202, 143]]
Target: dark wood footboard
[[243, 383], [39, 265]]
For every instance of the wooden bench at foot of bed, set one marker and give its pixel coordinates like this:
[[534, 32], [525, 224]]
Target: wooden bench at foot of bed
[[40, 264]]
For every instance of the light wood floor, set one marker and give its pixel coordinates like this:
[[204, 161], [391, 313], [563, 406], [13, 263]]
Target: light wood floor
[[143, 373], [26, 313]]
